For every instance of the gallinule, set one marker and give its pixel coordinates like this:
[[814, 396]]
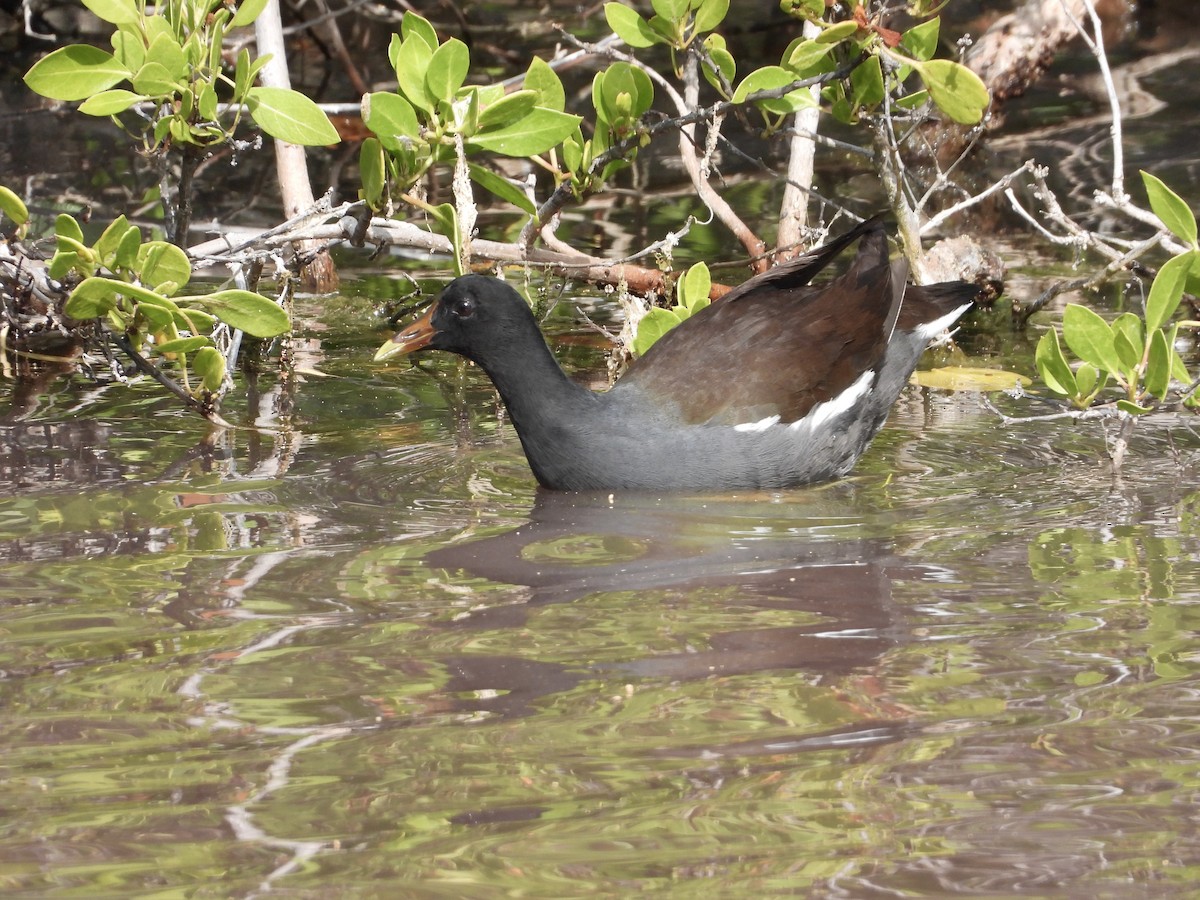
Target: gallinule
[[777, 384]]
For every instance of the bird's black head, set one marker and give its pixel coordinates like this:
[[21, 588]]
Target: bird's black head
[[475, 316]]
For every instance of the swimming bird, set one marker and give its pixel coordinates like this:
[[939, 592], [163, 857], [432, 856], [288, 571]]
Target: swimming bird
[[780, 383]]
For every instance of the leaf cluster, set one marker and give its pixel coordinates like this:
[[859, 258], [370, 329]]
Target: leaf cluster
[[419, 125], [1136, 353], [133, 285], [691, 296], [170, 56]]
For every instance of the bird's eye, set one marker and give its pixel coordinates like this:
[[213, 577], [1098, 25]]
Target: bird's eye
[[463, 307]]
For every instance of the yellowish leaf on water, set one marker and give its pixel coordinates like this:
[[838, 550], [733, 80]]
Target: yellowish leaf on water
[[969, 378]]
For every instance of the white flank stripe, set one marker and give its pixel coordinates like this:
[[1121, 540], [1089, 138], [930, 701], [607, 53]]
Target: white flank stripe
[[930, 330], [843, 402], [760, 425]]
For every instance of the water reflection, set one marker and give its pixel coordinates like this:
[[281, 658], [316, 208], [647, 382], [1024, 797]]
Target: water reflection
[[729, 557]]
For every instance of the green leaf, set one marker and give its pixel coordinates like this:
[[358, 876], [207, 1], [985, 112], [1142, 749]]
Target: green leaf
[[391, 118], [769, 78], [106, 245], [803, 9], [1171, 208], [246, 311], [1132, 408], [156, 318], [154, 80], [248, 11], [65, 261], [709, 14], [127, 250], [535, 133], [543, 80], [722, 59], [111, 102], [867, 83], [622, 78], [1158, 365], [75, 73], [1053, 367], [914, 100], [412, 62], [290, 116], [502, 188], [1086, 377], [167, 53], [1090, 337], [160, 263], [370, 172], [508, 109], [1167, 289], [129, 48], [921, 41], [13, 207], [118, 12], [694, 287], [629, 26], [1129, 342], [184, 345], [207, 102], [1179, 371], [671, 10], [448, 69], [653, 325], [805, 55], [957, 91], [65, 226], [96, 296], [412, 25], [839, 32], [209, 364]]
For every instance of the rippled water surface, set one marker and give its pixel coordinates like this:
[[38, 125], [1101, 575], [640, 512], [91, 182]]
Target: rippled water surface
[[362, 656]]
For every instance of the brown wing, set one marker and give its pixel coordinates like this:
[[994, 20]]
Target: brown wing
[[775, 345]]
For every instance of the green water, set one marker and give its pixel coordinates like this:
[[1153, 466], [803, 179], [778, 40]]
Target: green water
[[357, 654]]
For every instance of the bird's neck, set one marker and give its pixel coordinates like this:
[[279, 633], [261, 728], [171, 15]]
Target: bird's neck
[[535, 390]]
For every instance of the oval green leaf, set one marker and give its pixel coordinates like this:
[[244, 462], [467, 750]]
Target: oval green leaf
[[118, 12], [160, 263], [654, 324], [1158, 366], [1090, 338], [246, 311], [287, 115], [543, 80], [1167, 289], [1171, 208], [111, 102], [448, 69], [391, 118], [502, 188], [209, 364], [629, 26], [248, 11], [709, 14], [507, 109], [184, 345], [957, 91], [921, 41], [75, 73], [1052, 366], [770, 78], [535, 133], [14, 207]]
